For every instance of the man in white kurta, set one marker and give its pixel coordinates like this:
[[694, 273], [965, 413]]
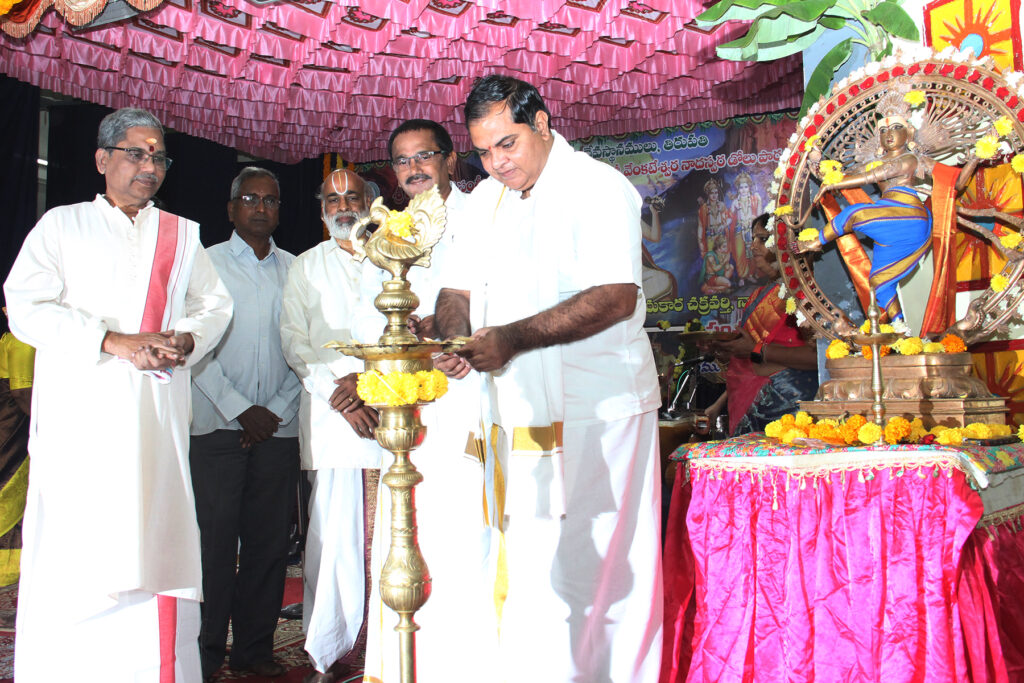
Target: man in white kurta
[[319, 305], [453, 535], [557, 315], [119, 299]]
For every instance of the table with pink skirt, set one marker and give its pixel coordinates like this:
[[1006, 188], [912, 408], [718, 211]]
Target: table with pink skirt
[[882, 563]]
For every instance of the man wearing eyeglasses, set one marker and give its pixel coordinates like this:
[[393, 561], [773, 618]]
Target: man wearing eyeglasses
[[245, 445], [321, 300], [451, 529], [120, 300]]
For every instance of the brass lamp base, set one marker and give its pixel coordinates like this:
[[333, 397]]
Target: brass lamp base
[[940, 388]]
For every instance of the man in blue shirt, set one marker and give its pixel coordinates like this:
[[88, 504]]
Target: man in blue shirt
[[244, 446]]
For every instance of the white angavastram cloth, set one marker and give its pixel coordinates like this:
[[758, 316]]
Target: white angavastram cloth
[[580, 544], [110, 508]]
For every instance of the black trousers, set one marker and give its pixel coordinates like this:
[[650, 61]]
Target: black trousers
[[243, 504]]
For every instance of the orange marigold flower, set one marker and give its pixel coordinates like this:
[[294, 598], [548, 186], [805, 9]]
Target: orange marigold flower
[[896, 429], [787, 421], [825, 432], [953, 344], [883, 351]]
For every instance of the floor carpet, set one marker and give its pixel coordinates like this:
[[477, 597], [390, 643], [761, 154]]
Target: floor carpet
[[288, 639]]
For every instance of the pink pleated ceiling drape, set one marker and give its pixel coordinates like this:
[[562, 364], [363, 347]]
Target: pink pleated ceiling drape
[[297, 78]]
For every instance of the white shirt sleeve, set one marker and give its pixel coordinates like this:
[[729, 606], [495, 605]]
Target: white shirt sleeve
[[296, 303], [208, 307], [36, 310]]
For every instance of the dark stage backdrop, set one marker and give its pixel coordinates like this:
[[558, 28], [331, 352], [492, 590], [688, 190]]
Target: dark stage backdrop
[[197, 185], [19, 150]]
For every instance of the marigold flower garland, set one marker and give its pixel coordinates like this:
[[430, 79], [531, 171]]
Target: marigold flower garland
[[401, 388], [857, 430], [906, 346]]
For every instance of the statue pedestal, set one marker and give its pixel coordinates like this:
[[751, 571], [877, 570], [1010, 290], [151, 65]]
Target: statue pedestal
[[940, 388]]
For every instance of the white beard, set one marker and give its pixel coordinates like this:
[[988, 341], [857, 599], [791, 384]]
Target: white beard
[[338, 232], [334, 227]]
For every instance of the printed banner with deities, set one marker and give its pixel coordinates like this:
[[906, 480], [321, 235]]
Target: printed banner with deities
[[702, 186]]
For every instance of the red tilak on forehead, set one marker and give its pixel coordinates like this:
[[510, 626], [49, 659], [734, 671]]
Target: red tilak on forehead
[[152, 144]]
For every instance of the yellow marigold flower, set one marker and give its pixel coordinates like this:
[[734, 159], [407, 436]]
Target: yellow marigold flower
[[950, 437], [986, 147], [953, 344], [773, 429], [872, 165], [400, 223], [787, 421], [909, 346], [1000, 430], [914, 98], [837, 349], [664, 324], [790, 305], [1010, 240], [934, 347], [432, 384], [793, 434], [917, 423], [884, 328], [808, 234], [1003, 126], [1017, 163], [810, 142], [1020, 432], [803, 419], [883, 351], [896, 429], [777, 173], [998, 282], [829, 166], [784, 210], [978, 430], [869, 433], [937, 429], [832, 177]]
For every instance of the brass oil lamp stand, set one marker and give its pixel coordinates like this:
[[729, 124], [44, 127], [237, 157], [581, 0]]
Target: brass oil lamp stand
[[405, 579], [876, 339]]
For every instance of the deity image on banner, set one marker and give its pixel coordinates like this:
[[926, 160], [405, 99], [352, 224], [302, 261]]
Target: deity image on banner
[[745, 207]]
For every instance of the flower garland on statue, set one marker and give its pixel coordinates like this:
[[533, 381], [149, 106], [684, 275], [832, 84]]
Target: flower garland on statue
[[857, 430], [907, 346], [401, 388]]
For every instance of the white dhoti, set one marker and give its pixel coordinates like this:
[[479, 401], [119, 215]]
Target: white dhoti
[[334, 578], [124, 644], [584, 598]]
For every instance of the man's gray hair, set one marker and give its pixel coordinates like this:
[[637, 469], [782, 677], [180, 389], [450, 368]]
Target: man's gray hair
[[252, 172], [114, 126]]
